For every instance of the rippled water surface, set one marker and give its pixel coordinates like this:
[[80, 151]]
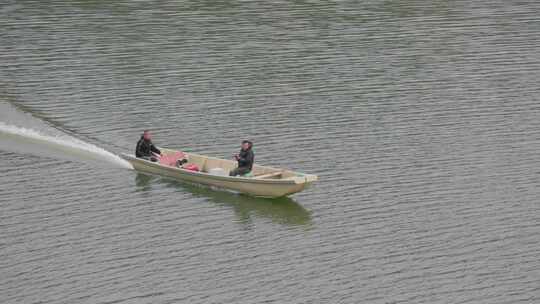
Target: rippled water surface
[[421, 118]]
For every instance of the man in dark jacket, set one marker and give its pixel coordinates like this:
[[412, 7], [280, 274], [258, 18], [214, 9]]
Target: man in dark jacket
[[245, 159], [145, 149]]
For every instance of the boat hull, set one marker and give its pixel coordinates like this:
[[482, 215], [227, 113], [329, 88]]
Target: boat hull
[[271, 188]]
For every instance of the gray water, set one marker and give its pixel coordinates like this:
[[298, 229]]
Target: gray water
[[421, 118]]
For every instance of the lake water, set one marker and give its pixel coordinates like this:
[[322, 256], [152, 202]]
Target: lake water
[[421, 118]]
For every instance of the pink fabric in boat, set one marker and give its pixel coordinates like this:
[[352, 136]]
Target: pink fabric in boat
[[171, 158], [191, 167]]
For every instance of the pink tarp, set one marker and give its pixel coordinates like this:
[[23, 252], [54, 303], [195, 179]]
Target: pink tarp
[[171, 158]]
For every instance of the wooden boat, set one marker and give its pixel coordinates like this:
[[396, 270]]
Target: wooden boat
[[263, 182]]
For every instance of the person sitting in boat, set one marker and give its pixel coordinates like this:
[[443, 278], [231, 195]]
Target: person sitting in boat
[[245, 159], [146, 149]]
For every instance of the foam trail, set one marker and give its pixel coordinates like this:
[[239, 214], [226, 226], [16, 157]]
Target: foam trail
[[27, 141]]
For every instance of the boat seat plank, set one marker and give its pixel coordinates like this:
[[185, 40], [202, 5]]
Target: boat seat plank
[[269, 175]]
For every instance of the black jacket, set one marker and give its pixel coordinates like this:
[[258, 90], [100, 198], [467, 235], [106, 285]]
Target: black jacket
[[246, 159], [145, 148]]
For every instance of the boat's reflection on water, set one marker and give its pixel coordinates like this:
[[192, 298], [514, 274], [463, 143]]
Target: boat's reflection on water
[[281, 210]]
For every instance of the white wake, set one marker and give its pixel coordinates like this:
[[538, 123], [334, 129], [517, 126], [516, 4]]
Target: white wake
[[28, 141]]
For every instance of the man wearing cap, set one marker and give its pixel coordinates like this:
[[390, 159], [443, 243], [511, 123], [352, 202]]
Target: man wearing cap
[[245, 159]]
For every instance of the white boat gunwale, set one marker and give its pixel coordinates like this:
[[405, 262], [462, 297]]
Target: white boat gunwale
[[275, 185], [293, 180]]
